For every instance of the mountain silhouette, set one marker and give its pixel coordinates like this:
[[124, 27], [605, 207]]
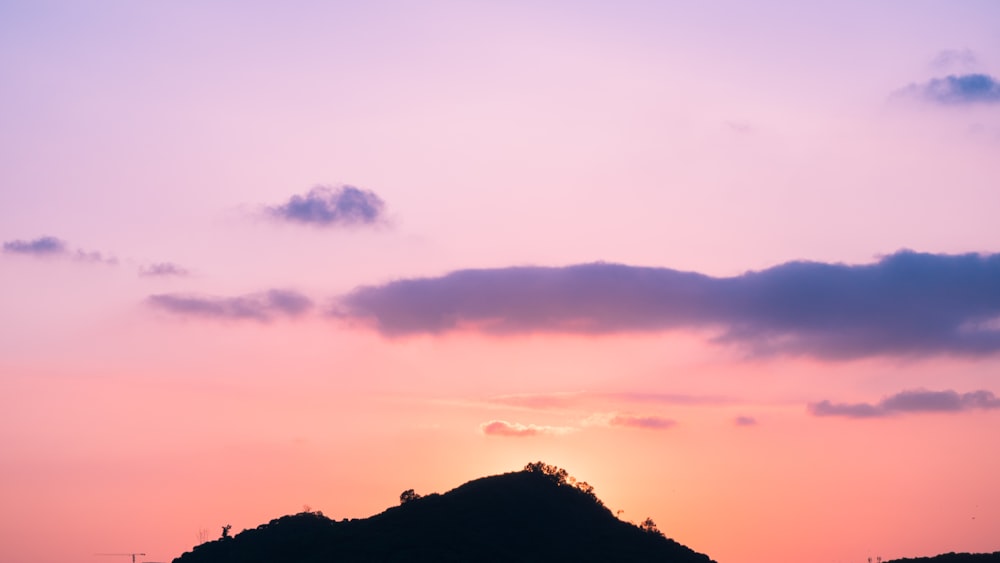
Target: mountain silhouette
[[538, 514]]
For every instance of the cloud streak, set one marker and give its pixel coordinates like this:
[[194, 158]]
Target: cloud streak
[[42, 246], [644, 422], [516, 430], [163, 269], [908, 402], [955, 58], [957, 89], [261, 307], [49, 246], [325, 206], [906, 304]]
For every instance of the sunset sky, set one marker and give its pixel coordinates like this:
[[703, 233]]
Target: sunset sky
[[730, 262]]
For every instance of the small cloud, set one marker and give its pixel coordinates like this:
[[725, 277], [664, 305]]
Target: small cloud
[[42, 246], [957, 59], [629, 421], [742, 127], [93, 256], [910, 401], [326, 206], [517, 430], [163, 269], [745, 421], [956, 89], [262, 307]]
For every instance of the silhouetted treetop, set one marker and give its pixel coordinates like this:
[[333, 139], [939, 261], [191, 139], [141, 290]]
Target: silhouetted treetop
[[408, 496], [560, 476]]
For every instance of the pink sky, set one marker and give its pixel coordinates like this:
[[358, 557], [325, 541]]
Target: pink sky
[[191, 339]]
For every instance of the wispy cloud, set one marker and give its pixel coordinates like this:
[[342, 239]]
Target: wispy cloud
[[745, 421], [626, 420], [163, 269], [262, 307], [911, 401], [956, 89], [42, 246], [326, 206], [906, 304], [947, 59], [49, 246], [517, 430]]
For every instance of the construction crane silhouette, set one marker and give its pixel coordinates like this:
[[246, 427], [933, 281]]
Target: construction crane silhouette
[[132, 555]]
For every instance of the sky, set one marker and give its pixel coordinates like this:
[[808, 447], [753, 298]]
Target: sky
[[734, 264]]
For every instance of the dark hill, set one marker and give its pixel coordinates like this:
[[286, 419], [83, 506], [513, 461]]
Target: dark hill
[[954, 558], [538, 514]]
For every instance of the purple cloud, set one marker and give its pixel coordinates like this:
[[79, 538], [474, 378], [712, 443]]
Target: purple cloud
[[162, 269], [42, 246], [906, 304], [745, 421], [326, 206], [910, 401], [956, 89], [262, 307], [48, 246]]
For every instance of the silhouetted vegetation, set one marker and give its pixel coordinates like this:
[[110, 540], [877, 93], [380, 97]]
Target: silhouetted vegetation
[[539, 514], [954, 558], [408, 496], [649, 527], [560, 476]]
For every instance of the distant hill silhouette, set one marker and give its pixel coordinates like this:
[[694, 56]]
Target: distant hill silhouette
[[954, 558], [535, 515]]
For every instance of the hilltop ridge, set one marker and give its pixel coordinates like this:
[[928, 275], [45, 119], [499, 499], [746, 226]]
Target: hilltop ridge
[[537, 514]]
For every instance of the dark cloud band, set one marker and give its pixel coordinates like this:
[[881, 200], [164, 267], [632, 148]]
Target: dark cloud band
[[905, 304]]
